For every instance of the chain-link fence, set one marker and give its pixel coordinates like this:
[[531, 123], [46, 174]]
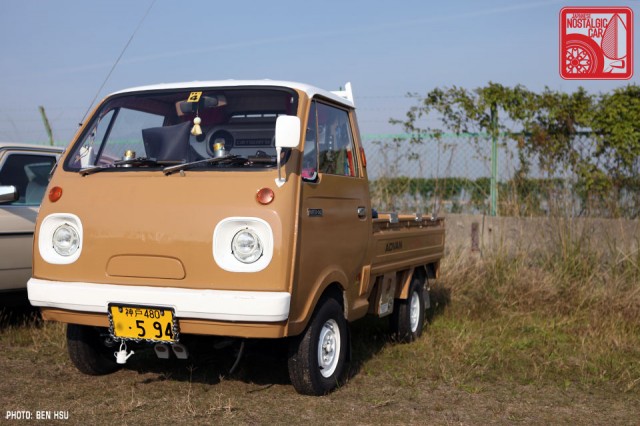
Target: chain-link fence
[[453, 174]]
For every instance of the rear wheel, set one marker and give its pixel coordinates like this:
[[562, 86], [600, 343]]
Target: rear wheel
[[317, 358], [88, 350], [407, 320]]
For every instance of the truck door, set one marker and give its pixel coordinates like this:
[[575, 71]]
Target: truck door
[[335, 219]]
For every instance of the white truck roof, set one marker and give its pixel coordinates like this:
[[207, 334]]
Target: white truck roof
[[344, 97]]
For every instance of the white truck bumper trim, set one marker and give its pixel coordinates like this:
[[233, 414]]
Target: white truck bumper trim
[[223, 305]]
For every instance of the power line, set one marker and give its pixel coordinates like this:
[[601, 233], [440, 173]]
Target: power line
[[117, 60]]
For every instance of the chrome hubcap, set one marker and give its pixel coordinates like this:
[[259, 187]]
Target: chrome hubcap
[[329, 348]]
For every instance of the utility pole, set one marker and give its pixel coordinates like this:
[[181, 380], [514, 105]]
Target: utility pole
[[494, 160], [47, 127]]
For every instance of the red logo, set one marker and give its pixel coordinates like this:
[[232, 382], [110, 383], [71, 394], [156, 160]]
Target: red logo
[[596, 43]]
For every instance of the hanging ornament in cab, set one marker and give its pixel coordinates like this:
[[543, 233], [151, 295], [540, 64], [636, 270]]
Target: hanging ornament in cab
[[196, 130]]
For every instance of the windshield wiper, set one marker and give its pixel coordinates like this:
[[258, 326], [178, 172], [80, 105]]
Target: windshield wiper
[[226, 159], [140, 161], [260, 159]]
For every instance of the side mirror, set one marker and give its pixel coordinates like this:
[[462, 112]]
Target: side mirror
[[8, 194], [287, 131], [287, 136]]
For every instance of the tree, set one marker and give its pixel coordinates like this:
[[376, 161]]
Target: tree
[[616, 124], [475, 112], [594, 139]]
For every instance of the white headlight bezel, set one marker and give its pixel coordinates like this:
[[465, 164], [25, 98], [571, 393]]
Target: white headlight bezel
[[48, 227], [224, 234]]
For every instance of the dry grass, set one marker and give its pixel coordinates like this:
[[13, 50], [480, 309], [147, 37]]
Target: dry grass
[[567, 314], [542, 336]]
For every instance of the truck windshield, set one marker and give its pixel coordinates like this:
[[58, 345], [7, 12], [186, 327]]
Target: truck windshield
[[159, 129]]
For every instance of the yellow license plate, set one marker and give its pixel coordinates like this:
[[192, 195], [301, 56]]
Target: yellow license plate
[[143, 323]]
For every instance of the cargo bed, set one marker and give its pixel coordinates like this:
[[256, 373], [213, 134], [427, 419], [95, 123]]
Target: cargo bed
[[403, 241]]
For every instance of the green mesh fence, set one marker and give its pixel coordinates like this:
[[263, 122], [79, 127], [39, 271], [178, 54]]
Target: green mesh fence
[[453, 173]]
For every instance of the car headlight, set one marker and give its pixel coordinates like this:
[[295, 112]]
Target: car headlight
[[60, 238], [66, 240], [242, 244], [246, 246]]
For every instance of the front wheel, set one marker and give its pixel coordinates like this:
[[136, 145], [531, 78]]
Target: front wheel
[[88, 350], [317, 358], [407, 320]]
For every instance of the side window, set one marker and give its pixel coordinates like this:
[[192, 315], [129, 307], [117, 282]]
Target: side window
[[335, 142], [29, 174], [126, 134], [86, 156], [310, 156]]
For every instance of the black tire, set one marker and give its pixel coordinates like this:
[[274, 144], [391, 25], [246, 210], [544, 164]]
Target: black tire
[[407, 320], [88, 352], [315, 368]]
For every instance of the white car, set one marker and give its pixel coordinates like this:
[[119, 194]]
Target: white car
[[24, 176]]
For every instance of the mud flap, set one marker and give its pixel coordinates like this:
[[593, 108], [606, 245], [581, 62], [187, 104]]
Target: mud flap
[[425, 294]]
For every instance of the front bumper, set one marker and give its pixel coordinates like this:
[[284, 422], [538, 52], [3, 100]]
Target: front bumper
[[220, 305]]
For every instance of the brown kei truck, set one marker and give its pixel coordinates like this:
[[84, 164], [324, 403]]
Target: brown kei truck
[[235, 209]]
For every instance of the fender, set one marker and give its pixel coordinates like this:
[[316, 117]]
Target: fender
[[402, 291], [330, 275]]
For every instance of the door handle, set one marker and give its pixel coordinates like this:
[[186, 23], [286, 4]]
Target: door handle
[[362, 212]]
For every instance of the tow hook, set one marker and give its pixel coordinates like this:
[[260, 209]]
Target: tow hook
[[121, 355]]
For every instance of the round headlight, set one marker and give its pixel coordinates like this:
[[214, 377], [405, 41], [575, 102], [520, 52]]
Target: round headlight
[[246, 246], [65, 240]]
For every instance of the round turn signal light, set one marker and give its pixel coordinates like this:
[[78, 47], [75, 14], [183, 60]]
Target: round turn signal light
[[265, 196], [55, 193]]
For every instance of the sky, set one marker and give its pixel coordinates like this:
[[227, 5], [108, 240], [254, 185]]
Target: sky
[[58, 53]]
